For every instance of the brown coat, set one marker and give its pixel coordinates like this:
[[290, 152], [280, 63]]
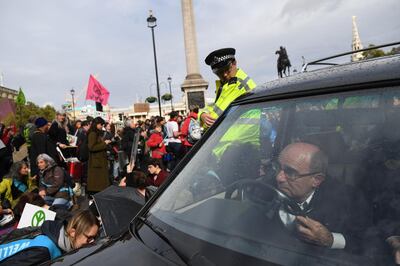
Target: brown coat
[[52, 180], [98, 164]]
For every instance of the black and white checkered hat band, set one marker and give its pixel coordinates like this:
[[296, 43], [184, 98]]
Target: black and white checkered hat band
[[219, 59]]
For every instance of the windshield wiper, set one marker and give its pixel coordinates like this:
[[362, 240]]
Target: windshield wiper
[[160, 234]]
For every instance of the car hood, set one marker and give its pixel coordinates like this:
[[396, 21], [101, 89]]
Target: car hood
[[125, 251]]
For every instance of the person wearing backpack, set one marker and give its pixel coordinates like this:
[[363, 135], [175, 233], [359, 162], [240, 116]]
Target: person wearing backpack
[[54, 185], [191, 130], [36, 245]]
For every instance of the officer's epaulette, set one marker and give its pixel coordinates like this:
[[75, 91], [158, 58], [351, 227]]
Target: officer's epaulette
[[232, 81]]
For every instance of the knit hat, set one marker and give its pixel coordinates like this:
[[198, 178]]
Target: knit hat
[[40, 122]]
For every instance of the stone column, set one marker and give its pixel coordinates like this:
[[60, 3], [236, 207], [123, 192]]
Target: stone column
[[194, 85]]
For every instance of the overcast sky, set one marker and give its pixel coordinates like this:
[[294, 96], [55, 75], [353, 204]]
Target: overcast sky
[[48, 47]]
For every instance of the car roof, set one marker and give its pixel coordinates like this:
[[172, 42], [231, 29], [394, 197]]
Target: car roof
[[361, 72]]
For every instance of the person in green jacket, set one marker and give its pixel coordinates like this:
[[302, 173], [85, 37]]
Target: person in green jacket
[[15, 183]]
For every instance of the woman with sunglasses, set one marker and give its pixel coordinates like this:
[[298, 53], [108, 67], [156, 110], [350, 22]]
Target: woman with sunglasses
[[33, 246]]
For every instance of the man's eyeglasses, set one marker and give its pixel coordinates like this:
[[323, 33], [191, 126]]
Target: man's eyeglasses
[[292, 174]]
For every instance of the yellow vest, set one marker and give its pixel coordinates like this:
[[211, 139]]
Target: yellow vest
[[245, 130], [227, 93]]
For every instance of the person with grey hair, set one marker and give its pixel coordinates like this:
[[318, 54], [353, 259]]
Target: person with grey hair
[[333, 215], [53, 186]]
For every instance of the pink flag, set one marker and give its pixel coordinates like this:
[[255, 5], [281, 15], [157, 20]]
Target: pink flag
[[97, 92]]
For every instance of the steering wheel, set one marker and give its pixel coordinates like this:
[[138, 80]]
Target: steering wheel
[[263, 194]]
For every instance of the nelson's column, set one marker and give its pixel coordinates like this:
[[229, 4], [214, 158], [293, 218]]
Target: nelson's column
[[194, 85]]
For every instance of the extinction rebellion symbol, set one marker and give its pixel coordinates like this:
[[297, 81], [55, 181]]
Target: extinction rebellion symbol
[[38, 218]]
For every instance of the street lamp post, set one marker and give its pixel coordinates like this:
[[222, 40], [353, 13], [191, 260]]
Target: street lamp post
[[152, 23], [170, 92], [73, 101]]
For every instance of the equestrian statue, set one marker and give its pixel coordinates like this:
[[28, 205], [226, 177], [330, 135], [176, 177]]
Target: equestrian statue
[[283, 62]]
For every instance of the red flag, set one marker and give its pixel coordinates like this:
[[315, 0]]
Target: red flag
[[97, 92]]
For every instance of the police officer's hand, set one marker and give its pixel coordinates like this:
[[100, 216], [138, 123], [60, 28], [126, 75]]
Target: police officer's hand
[[313, 232], [207, 119]]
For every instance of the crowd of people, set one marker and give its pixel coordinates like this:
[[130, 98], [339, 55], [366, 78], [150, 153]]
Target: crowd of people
[[63, 160], [141, 154]]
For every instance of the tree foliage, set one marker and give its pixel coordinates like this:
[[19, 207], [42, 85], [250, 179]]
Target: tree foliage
[[379, 52], [31, 109]]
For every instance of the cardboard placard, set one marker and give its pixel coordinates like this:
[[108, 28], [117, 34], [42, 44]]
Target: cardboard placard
[[35, 216]]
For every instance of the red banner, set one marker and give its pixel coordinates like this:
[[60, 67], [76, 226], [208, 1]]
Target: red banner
[[97, 92]]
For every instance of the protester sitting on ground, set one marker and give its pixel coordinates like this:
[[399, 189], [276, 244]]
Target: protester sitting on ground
[[157, 173], [53, 185], [35, 199], [16, 212], [156, 143], [51, 240], [15, 183], [137, 179]]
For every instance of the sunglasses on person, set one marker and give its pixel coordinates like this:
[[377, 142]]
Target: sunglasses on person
[[90, 238], [292, 174]]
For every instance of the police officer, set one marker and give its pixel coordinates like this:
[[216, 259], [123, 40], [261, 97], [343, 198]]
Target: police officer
[[233, 82]]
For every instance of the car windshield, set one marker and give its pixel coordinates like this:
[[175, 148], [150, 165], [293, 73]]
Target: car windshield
[[309, 180]]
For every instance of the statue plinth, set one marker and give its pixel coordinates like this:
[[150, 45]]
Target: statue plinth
[[194, 85]]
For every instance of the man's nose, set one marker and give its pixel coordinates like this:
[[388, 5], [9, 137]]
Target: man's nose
[[281, 176]]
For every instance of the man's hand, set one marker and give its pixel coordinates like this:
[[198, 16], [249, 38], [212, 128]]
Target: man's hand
[[129, 167], [160, 145], [42, 193], [62, 146], [107, 141], [122, 183], [33, 177], [394, 242], [313, 232], [207, 119]]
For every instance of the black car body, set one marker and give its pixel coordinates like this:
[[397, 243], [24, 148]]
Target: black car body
[[351, 111]]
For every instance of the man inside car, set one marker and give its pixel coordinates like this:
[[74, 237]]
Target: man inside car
[[334, 215]]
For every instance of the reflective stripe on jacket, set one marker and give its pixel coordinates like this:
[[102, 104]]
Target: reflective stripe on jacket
[[245, 130], [14, 247]]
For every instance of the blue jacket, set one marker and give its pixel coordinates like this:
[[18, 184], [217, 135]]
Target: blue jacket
[[34, 248]]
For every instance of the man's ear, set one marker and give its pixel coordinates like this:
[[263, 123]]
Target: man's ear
[[318, 179], [72, 232]]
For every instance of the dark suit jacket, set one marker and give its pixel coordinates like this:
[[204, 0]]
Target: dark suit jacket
[[342, 209]]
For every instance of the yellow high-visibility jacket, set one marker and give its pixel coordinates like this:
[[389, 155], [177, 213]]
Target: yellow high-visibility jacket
[[227, 93]]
